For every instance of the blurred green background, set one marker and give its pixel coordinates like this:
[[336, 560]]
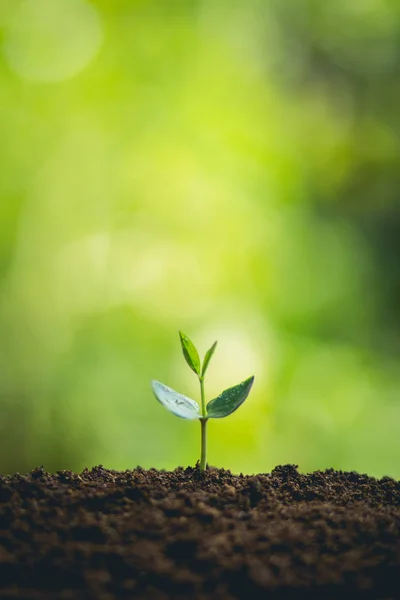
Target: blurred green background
[[230, 169]]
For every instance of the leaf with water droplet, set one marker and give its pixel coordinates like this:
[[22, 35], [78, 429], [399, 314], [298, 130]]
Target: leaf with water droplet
[[207, 358], [177, 403], [230, 400], [190, 353]]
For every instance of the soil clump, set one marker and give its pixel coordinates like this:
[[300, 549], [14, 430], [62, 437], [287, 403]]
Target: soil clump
[[159, 535]]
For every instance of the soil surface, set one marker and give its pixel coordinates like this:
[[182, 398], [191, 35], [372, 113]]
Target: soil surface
[[157, 535]]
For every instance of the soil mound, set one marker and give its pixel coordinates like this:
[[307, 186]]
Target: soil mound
[[161, 535]]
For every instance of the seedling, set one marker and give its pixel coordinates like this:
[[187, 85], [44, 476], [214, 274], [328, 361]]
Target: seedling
[[186, 408]]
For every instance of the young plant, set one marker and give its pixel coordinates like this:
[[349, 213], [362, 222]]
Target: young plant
[[186, 408]]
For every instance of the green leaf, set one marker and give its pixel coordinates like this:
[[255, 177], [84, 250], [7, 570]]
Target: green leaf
[[207, 358], [229, 400], [190, 353], [177, 403]]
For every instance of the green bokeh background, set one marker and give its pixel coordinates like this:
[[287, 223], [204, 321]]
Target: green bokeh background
[[230, 169]]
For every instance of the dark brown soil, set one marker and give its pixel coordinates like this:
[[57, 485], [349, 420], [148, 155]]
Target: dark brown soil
[[182, 534]]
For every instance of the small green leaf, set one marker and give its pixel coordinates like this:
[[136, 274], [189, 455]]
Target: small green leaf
[[177, 403], [229, 400], [207, 358], [190, 353]]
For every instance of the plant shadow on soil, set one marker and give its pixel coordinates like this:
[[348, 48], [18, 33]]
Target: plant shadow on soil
[[152, 534]]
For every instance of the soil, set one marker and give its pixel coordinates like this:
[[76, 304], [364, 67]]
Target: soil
[[162, 535]]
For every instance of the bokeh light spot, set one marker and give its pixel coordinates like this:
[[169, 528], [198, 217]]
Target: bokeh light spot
[[52, 40]]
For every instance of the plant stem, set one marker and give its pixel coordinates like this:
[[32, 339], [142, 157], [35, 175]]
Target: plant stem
[[203, 423], [203, 459], [203, 400]]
